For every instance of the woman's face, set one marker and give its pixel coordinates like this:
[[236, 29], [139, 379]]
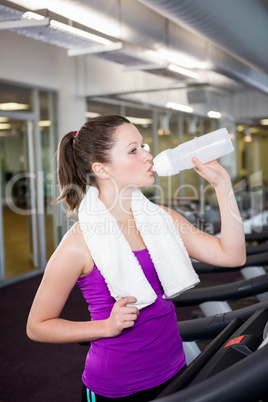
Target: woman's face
[[130, 162]]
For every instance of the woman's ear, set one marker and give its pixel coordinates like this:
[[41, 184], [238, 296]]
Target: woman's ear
[[100, 171]]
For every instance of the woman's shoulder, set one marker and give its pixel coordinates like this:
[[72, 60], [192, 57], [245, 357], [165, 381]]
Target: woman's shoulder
[[178, 219], [170, 211], [73, 243]]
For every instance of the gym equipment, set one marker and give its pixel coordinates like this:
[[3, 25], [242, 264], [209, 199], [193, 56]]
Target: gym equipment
[[232, 368], [233, 291], [208, 297], [253, 267], [259, 248]]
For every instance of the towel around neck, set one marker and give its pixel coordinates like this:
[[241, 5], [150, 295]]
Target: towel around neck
[[117, 263]]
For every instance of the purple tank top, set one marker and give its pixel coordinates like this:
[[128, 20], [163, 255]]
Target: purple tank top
[[141, 357]]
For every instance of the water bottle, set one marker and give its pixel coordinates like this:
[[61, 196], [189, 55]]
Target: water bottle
[[206, 148]]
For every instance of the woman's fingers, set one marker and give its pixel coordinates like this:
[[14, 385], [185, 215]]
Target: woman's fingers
[[126, 300], [212, 171], [122, 316]]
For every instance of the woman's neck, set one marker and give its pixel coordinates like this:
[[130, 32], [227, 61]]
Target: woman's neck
[[118, 202]]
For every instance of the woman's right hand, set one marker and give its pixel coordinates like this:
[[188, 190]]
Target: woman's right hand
[[122, 316]]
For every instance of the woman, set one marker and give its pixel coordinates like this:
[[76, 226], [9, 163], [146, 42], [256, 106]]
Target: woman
[[136, 347]]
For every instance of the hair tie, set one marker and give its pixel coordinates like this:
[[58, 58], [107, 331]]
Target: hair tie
[[74, 134]]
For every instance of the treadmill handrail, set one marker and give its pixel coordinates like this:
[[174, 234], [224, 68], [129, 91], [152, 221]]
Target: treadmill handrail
[[188, 375], [228, 291], [257, 236], [258, 259], [209, 327], [244, 381], [259, 248]]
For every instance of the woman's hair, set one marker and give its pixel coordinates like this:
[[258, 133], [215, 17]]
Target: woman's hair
[[78, 151]]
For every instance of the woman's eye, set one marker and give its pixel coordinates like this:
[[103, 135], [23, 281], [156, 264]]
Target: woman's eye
[[146, 147]]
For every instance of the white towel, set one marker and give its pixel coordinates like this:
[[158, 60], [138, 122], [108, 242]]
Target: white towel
[[117, 263]]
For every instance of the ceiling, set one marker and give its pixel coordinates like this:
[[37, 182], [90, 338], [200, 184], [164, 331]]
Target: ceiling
[[239, 27], [223, 44]]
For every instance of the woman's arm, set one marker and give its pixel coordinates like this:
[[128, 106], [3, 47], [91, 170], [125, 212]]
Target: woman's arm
[[229, 249], [71, 260]]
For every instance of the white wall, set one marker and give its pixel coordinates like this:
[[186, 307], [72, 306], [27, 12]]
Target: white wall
[[28, 61]]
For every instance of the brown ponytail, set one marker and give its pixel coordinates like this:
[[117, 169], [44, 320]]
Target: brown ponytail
[[78, 151]]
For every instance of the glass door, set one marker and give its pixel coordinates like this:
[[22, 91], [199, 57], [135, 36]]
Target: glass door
[[19, 238], [30, 227]]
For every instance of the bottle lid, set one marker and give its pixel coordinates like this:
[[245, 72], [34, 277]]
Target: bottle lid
[[162, 164]]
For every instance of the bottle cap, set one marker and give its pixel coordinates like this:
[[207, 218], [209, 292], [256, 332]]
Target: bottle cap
[[162, 164]]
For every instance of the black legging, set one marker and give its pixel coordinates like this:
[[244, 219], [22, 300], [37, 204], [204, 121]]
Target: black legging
[[142, 396]]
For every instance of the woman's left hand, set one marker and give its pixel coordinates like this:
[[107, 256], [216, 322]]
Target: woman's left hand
[[212, 171]]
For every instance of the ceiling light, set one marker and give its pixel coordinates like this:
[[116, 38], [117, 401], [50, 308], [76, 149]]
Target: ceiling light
[[5, 126], [78, 12], [264, 122], [175, 58], [240, 128], [44, 123], [13, 106], [139, 120], [181, 108], [247, 136], [95, 49], [134, 120], [32, 16], [79, 32], [183, 71], [91, 115], [214, 115], [178, 59]]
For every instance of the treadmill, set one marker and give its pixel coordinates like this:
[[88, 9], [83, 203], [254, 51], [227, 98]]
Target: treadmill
[[232, 368]]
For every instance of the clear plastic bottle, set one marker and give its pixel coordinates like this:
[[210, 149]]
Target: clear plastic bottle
[[206, 148]]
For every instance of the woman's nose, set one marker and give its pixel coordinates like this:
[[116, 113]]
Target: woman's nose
[[147, 156]]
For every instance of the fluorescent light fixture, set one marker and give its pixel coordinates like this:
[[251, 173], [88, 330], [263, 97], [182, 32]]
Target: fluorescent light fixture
[[214, 115], [180, 59], [23, 23], [181, 108], [175, 58], [44, 123], [100, 21], [5, 126], [32, 16], [91, 115], [183, 71], [134, 120], [95, 49], [79, 32], [142, 121], [264, 122], [13, 106]]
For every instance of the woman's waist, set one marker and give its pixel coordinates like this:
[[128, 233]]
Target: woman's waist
[[160, 307], [151, 351], [148, 330]]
